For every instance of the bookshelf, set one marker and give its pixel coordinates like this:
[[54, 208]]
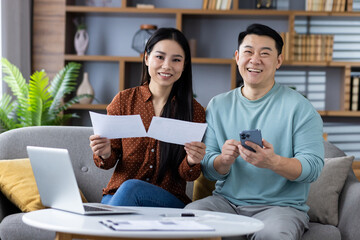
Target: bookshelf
[[125, 65]]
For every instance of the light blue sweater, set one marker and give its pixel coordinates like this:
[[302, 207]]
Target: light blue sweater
[[289, 122]]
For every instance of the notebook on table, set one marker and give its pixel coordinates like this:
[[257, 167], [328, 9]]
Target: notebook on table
[[57, 184]]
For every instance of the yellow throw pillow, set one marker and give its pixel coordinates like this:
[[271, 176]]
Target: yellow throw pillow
[[203, 188], [17, 183]]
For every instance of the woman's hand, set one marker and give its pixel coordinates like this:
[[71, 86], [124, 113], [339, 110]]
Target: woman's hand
[[195, 152], [100, 146]]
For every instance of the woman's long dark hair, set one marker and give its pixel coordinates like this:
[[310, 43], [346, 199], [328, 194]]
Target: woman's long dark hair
[[179, 105]]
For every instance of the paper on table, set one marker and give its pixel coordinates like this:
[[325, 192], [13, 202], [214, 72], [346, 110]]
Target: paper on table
[[117, 126], [176, 131], [156, 225], [163, 129]]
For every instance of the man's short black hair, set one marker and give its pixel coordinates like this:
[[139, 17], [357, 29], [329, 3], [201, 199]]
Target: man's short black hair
[[262, 30]]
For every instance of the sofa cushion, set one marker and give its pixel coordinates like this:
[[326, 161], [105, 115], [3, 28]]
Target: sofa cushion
[[319, 231], [17, 183], [13, 228], [324, 193]]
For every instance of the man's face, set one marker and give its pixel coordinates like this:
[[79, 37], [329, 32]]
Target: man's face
[[257, 60]]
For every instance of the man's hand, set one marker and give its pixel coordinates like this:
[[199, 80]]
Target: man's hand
[[265, 157], [229, 153], [195, 152], [100, 146]]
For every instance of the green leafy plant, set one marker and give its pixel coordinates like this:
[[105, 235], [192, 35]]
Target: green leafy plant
[[37, 102]]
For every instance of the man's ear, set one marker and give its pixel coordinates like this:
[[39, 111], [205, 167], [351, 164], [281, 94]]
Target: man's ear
[[236, 55], [280, 60]]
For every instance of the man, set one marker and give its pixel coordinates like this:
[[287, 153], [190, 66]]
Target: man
[[271, 184]]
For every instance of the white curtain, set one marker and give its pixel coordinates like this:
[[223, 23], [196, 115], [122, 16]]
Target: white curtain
[[16, 34]]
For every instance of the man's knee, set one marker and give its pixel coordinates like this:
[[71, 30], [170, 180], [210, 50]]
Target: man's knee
[[271, 234], [198, 205]]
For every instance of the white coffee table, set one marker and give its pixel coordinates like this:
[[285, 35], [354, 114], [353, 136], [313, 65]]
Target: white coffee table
[[69, 225]]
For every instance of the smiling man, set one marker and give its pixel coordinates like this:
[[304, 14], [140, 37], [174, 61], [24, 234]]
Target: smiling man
[[272, 183]]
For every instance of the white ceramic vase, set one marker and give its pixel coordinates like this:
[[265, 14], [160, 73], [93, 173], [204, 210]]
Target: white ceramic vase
[[85, 88], [81, 41]]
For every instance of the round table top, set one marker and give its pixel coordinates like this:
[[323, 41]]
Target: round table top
[[222, 224]]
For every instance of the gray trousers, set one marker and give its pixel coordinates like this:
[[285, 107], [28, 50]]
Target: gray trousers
[[279, 222]]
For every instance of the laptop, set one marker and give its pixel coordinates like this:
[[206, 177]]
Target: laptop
[[57, 184]]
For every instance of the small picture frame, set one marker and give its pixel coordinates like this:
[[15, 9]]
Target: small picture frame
[[265, 4]]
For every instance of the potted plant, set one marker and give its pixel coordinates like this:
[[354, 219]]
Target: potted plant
[[37, 102]]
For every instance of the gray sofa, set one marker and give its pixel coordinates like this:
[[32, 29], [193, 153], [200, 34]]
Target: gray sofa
[[91, 180]]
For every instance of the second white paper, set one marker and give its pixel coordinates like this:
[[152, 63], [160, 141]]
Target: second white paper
[[176, 131]]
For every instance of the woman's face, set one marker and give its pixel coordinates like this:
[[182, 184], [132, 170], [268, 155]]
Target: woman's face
[[165, 63]]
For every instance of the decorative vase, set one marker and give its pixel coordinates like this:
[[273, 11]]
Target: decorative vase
[[85, 88], [141, 37], [81, 41]]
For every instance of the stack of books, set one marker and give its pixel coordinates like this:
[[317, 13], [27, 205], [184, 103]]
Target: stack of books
[[354, 94], [329, 5], [217, 4], [313, 47]]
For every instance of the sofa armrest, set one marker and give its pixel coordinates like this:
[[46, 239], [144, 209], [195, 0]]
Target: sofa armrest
[[349, 209], [6, 207]]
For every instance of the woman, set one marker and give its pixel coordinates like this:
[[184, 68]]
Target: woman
[[149, 172]]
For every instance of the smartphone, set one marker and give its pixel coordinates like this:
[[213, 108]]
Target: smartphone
[[252, 136]]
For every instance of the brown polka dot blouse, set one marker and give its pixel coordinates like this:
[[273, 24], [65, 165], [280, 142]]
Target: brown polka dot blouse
[[138, 158]]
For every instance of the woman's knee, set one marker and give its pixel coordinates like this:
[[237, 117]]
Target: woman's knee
[[131, 185]]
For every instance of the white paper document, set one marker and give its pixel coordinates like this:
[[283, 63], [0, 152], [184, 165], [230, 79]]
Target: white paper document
[[163, 129], [156, 225], [117, 126]]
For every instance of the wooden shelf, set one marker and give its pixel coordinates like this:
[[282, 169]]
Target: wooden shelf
[[322, 113], [340, 113], [71, 57], [245, 12], [88, 106]]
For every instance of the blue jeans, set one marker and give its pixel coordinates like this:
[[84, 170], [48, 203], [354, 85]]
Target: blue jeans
[[135, 192]]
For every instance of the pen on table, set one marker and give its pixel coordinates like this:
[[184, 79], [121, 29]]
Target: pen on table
[[176, 215]]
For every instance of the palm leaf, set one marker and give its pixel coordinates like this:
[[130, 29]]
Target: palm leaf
[[63, 83], [6, 110], [39, 97], [18, 86]]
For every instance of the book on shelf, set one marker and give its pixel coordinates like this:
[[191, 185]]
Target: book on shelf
[[217, 4], [329, 47], [205, 4], [342, 5], [354, 93], [329, 5], [229, 3], [349, 5], [213, 4], [148, 6]]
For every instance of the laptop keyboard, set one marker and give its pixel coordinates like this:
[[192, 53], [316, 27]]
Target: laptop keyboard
[[97, 209]]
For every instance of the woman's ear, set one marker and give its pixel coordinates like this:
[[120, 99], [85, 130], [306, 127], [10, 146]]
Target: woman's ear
[[146, 56]]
